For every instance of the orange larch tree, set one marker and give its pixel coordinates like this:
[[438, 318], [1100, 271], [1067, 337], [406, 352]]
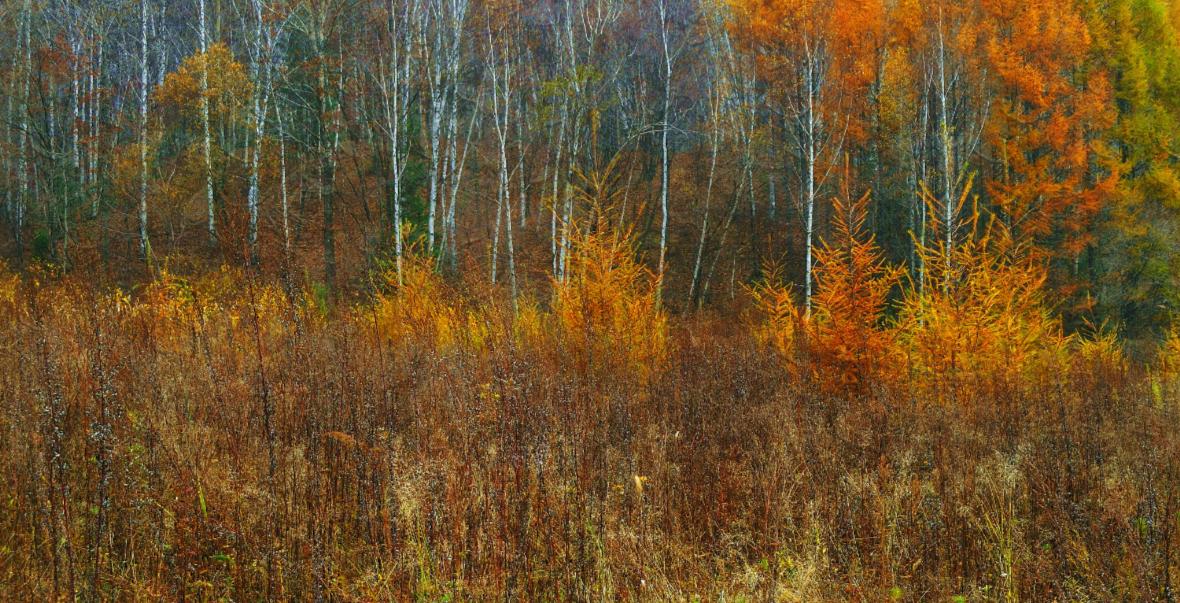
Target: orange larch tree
[[842, 343], [1049, 107]]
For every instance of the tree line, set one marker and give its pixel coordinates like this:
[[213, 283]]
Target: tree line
[[329, 137]]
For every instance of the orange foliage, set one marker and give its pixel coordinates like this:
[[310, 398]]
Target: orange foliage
[[842, 344], [1050, 107], [978, 319], [851, 298], [845, 36]]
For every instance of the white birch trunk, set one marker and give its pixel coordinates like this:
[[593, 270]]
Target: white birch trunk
[[144, 244], [664, 159], [206, 144], [260, 101]]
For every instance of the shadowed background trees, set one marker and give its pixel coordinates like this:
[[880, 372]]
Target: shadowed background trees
[[317, 139]]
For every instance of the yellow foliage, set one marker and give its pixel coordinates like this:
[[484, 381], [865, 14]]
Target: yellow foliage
[[418, 307], [607, 308], [981, 313], [168, 297], [1168, 361], [174, 305], [784, 326], [229, 87], [9, 284], [783, 321], [1100, 349], [1166, 372], [529, 326]]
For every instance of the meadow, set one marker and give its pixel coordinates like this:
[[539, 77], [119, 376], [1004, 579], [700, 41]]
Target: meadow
[[226, 437]]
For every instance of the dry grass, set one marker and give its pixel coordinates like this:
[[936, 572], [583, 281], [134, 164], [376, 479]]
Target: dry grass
[[223, 439]]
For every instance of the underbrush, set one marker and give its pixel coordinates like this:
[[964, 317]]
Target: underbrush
[[223, 438]]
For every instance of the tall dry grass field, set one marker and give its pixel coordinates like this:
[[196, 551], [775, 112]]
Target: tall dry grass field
[[228, 438]]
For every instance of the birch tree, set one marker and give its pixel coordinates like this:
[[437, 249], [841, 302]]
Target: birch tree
[[329, 86], [205, 140], [395, 93], [262, 47], [500, 70], [662, 10], [144, 244], [812, 48], [716, 95], [955, 107], [22, 165]]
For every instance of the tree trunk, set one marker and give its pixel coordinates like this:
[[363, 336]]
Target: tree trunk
[[206, 143], [664, 160], [144, 244]]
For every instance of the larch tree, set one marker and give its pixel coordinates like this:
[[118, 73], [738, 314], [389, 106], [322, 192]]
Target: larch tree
[[1132, 266], [809, 51], [1050, 106]]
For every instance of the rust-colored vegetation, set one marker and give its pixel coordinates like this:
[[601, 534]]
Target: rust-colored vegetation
[[226, 437]]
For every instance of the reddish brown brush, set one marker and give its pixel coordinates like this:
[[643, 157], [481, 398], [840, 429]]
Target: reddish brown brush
[[220, 438]]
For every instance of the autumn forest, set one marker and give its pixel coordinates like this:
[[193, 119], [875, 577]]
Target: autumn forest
[[589, 300]]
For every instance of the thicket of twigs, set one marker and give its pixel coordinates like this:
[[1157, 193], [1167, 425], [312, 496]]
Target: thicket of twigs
[[225, 438]]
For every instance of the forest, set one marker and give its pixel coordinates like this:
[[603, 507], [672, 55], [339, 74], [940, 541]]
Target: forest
[[589, 300]]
